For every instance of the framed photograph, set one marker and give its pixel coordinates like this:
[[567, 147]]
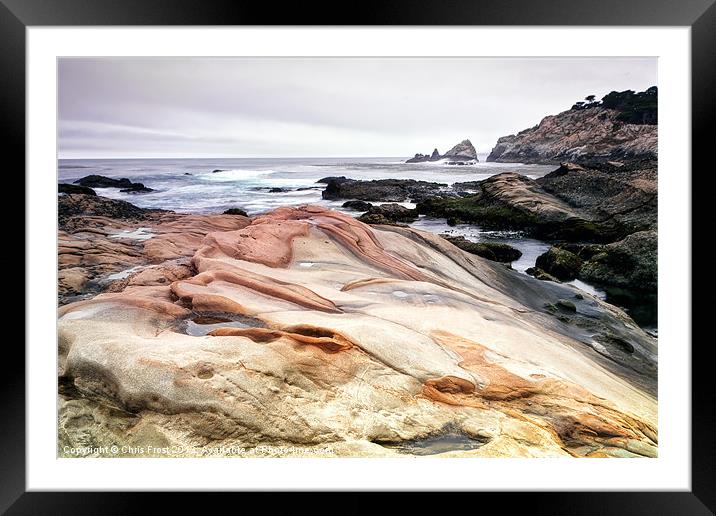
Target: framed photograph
[[441, 249]]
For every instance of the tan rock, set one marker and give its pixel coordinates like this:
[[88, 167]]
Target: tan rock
[[349, 340]]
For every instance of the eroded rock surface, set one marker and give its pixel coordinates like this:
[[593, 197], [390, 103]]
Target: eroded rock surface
[[351, 340], [102, 241]]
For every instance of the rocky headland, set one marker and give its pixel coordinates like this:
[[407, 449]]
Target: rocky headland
[[307, 329], [461, 154], [622, 126]]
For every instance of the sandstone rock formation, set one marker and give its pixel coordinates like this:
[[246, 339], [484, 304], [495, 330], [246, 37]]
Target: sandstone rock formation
[[585, 135], [108, 244], [342, 339]]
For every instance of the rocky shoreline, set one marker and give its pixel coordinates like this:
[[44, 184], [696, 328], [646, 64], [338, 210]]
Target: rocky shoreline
[[324, 333], [606, 212]]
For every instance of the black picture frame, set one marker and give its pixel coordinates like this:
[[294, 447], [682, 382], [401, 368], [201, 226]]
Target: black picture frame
[[700, 15]]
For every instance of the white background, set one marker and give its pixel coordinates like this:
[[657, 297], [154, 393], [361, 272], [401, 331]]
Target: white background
[[670, 471]]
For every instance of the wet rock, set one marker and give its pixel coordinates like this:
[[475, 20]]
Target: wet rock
[[74, 189], [541, 275], [96, 181], [497, 252], [71, 205], [566, 305], [393, 212], [629, 263], [560, 263], [357, 205], [236, 211], [386, 190], [137, 188]]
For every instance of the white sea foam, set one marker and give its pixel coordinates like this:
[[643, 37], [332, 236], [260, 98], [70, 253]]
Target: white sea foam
[[236, 175]]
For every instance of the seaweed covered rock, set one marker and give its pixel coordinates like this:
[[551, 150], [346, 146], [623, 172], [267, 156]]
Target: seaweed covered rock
[[629, 263], [497, 252], [560, 263]]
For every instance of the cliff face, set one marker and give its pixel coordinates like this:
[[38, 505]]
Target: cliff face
[[582, 135]]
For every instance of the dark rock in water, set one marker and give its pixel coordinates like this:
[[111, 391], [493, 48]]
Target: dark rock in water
[[386, 190], [390, 212], [187, 173], [461, 154], [418, 158], [494, 251], [377, 218], [333, 179], [628, 263], [236, 211], [541, 275], [71, 205], [95, 181], [74, 189], [463, 151], [137, 188], [218, 170], [560, 263], [278, 190], [584, 251], [357, 205]]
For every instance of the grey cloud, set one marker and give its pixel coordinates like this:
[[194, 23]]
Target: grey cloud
[[318, 106]]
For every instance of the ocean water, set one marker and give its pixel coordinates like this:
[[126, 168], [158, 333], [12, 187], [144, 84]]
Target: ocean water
[[192, 186]]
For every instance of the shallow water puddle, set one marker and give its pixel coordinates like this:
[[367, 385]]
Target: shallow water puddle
[[125, 273], [137, 234], [201, 325], [435, 444]]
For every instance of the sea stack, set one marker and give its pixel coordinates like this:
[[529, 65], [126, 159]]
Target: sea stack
[[461, 154]]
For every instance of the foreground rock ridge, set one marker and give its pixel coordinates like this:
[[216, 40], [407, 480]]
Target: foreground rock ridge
[[306, 328]]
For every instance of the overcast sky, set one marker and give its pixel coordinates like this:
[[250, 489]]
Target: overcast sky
[[264, 107]]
